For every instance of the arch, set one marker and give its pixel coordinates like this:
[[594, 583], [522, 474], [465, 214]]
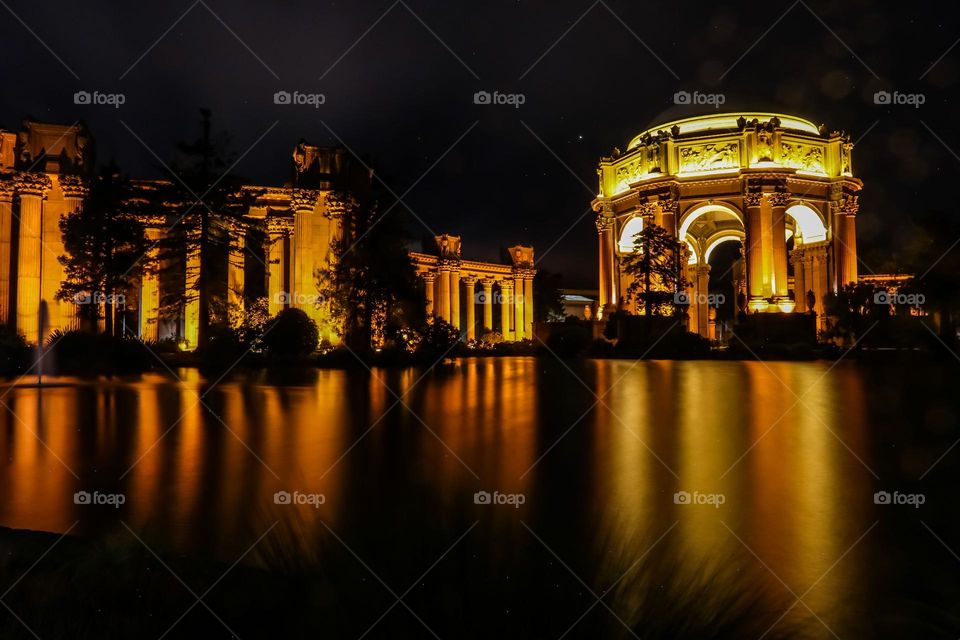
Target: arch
[[631, 228], [690, 215], [810, 227], [725, 236]]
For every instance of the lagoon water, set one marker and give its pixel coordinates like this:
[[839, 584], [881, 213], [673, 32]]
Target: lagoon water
[[649, 495]]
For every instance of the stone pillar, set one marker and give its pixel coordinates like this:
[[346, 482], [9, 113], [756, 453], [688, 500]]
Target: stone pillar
[[839, 249], [819, 277], [506, 308], [32, 189], [444, 293], [778, 205], [74, 193], [850, 208], [668, 215], [712, 324], [303, 204], [519, 328], [703, 289], [7, 272], [455, 296], [470, 283], [276, 256], [690, 271], [528, 304], [608, 294], [429, 280], [799, 280], [235, 275], [150, 291], [487, 285], [753, 244], [191, 313]]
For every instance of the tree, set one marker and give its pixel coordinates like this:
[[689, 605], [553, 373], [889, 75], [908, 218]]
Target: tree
[[201, 202], [547, 296], [370, 283], [656, 267], [106, 250]]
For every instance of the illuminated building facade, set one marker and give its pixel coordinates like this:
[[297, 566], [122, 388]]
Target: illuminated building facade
[[466, 293], [777, 184]]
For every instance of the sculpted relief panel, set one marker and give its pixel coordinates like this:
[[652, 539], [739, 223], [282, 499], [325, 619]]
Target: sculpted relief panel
[[710, 157], [802, 157]]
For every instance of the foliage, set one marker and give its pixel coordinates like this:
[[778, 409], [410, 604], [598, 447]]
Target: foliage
[[254, 323], [15, 353], [291, 333], [91, 354], [439, 339], [371, 285], [202, 204], [105, 248], [570, 339], [547, 296], [656, 265]]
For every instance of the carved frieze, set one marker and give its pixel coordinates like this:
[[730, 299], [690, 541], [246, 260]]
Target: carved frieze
[[802, 157], [710, 157]]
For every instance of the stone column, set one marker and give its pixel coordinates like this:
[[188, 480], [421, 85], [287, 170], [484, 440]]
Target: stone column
[[469, 283], [487, 286], [668, 215], [7, 274], [191, 313], [608, 295], [455, 296], [799, 280], [703, 289], [839, 249], [444, 293], [518, 324], [819, 276], [528, 303], [690, 275], [303, 204], [32, 189], [74, 193], [778, 205], [150, 291], [429, 280], [850, 208], [506, 308], [276, 265], [235, 275], [753, 244]]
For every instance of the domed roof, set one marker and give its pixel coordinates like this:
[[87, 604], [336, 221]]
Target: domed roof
[[726, 122]]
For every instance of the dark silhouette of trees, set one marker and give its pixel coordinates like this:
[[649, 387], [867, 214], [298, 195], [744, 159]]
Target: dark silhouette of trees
[[656, 266]]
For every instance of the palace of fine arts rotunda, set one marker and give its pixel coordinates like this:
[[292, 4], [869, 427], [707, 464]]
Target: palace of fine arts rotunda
[[777, 184]]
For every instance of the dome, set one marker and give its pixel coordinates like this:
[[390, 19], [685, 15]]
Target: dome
[[727, 122]]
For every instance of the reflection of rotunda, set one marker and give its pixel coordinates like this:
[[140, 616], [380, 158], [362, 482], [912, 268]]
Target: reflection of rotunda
[[777, 184]]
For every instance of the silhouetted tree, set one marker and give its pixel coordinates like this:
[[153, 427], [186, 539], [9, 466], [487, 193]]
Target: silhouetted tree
[[656, 265], [106, 249], [547, 296]]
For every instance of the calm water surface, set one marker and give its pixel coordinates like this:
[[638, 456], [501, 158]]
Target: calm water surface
[[786, 457]]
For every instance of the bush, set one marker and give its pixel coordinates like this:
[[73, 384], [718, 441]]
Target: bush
[[570, 339], [291, 333], [90, 354], [15, 354], [438, 338]]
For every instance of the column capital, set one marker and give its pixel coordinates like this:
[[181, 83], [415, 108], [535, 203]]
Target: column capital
[[73, 187], [850, 205], [604, 223], [277, 225], [7, 189], [668, 205], [754, 199], [778, 198], [33, 184], [486, 283], [469, 280], [429, 276], [304, 200], [506, 284], [647, 209], [447, 264], [336, 207]]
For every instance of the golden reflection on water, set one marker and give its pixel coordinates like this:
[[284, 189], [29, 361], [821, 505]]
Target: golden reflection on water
[[793, 490]]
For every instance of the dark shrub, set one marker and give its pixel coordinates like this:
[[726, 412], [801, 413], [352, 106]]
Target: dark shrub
[[570, 339], [223, 350], [291, 333], [439, 338], [15, 354], [91, 354]]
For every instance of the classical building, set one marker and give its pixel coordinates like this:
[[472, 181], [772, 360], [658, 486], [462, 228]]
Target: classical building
[[779, 185], [468, 294], [277, 240]]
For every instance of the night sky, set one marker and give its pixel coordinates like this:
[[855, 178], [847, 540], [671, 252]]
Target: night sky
[[399, 80]]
